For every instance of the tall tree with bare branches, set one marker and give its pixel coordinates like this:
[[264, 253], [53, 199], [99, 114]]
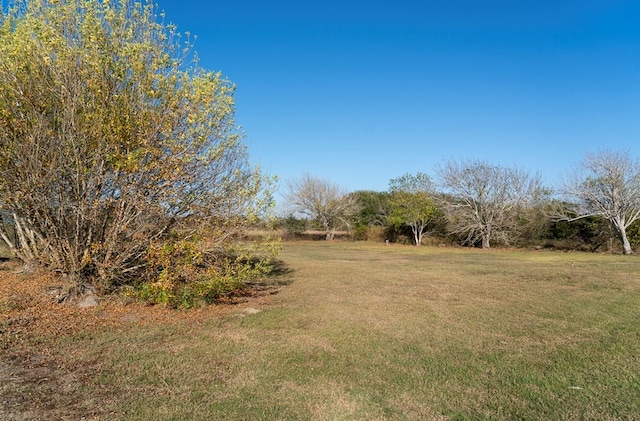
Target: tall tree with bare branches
[[607, 184], [323, 201], [484, 202]]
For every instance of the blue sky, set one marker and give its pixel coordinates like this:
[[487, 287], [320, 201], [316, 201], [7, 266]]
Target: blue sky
[[359, 92]]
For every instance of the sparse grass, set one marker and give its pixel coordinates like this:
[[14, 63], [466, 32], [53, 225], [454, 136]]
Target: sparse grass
[[367, 332], [5, 253]]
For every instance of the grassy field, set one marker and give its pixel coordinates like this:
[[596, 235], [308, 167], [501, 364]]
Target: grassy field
[[361, 331]]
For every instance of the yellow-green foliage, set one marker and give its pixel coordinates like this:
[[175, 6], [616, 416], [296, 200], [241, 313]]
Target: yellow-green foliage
[[111, 135], [182, 273]]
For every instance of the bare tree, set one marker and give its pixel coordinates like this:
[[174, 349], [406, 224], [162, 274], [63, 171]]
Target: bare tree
[[607, 184], [321, 200], [485, 202]]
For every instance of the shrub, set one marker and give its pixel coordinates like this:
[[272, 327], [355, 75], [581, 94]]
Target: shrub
[[182, 273], [292, 225]]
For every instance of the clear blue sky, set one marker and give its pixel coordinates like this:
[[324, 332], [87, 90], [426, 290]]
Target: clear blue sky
[[359, 92]]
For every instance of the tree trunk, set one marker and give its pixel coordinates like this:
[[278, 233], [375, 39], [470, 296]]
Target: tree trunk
[[485, 241], [625, 245], [417, 237], [26, 247], [619, 228], [8, 242]]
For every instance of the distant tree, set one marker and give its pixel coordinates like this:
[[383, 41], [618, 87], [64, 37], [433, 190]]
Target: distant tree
[[412, 203], [607, 184], [633, 232], [372, 210], [589, 233], [115, 146], [485, 202], [323, 201], [292, 225]]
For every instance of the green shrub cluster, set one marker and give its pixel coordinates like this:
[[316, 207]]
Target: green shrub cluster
[[183, 273]]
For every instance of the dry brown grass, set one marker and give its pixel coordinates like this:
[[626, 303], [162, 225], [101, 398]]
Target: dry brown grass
[[44, 380], [359, 331]]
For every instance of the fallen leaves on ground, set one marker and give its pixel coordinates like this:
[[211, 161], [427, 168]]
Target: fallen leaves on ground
[[38, 382]]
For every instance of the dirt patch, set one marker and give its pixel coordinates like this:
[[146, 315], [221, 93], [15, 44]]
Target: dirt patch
[[36, 387], [36, 381]]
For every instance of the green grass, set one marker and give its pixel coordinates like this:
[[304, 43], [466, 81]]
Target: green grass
[[367, 332]]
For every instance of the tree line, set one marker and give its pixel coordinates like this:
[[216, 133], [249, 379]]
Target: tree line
[[476, 203]]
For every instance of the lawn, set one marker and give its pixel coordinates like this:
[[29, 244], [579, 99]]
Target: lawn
[[354, 331]]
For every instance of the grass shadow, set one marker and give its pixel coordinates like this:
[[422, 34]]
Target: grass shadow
[[283, 271], [280, 276]]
